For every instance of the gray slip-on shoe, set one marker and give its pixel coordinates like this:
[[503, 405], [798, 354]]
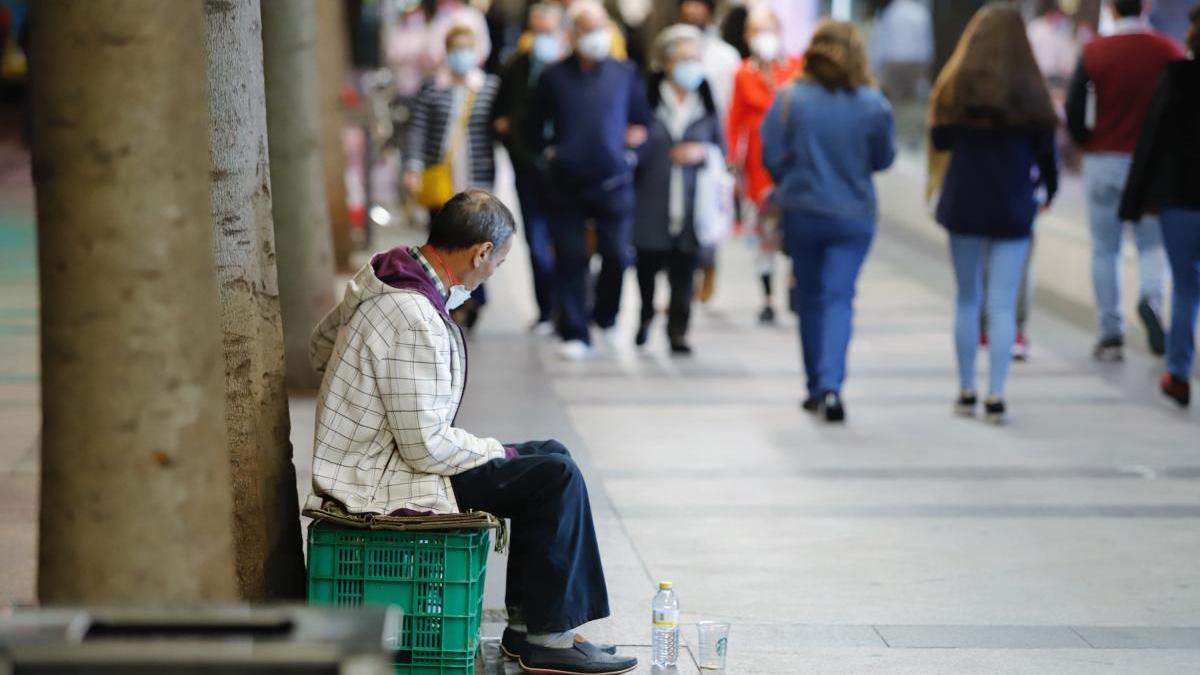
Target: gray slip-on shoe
[[584, 658], [513, 643]]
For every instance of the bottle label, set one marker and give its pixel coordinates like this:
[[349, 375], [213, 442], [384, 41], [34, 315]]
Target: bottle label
[[666, 619]]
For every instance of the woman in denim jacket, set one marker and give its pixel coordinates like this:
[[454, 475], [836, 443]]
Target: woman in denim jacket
[[822, 140]]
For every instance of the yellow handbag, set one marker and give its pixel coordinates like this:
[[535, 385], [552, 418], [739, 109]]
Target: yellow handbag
[[437, 181]]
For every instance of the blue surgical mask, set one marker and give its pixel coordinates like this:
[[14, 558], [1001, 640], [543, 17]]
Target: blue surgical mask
[[688, 74], [461, 61], [547, 48], [458, 295]]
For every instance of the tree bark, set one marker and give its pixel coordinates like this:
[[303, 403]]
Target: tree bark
[[302, 232], [266, 513], [333, 60], [135, 502]]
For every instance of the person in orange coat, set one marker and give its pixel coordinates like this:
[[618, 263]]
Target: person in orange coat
[[760, 76]]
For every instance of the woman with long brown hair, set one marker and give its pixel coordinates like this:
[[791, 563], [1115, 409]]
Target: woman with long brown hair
[[822, 140], [991, 109]]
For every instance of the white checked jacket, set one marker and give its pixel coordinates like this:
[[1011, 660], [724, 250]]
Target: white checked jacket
[[394, 374]]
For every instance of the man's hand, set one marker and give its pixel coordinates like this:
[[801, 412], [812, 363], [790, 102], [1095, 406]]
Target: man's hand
[[502, 126], [688, 154], [636, 135]]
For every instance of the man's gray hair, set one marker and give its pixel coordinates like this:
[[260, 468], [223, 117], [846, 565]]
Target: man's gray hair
[[581, 8], [668, 41], [471, 217]]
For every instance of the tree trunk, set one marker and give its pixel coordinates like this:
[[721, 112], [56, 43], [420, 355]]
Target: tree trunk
[[266, 514], [333, 60], [135, 500], [302, 233]]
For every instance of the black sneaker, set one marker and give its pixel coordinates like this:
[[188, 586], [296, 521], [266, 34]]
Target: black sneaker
[[514, 643], [583, 658], [1110, 350], [1154, 328], [832, 408], [767, 315], [965, 405], [994, 412], [680, 346], [643, 333], [812, 404]]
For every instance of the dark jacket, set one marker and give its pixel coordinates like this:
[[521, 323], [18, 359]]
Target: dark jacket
[[1166, 164], [651, 223], [584, 115], [426, 133], [515, 101], [988, 190]]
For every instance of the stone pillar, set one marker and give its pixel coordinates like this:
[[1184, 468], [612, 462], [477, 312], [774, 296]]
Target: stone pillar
[[302, 231], [333, 62], [135, 499], [267, 544]]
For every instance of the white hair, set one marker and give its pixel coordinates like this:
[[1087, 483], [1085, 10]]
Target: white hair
[[671, 38], [582, 8]]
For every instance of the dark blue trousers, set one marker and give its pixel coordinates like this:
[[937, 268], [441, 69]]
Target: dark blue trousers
[[531, 191], [554, 571], [611, 210], [827, 254]]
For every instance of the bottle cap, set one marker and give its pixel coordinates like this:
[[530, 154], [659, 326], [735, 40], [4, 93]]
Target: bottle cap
[[664, 585]]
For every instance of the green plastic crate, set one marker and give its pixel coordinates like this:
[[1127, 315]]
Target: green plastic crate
[[435, 577]]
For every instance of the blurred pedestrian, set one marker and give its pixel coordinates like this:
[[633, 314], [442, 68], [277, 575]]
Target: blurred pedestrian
[[684, 134], [1107, 101], [1165, 179], [822, 140], [445, 15], [721, 62], [594, 109], [519, 79], [991, 110], [901, 54], [449, 140], [754, 87]]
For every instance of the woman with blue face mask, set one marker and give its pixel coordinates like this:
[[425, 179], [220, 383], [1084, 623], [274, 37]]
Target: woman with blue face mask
[[451, 128], [685, 132]]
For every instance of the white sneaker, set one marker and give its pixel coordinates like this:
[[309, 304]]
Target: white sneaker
[[575, 350], [612, 338], [543, 329]]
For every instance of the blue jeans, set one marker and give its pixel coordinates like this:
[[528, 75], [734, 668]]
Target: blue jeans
[[827, 255], [531, 188], [1181, 231], [1005, 262], [555, 575], [1104, 175]]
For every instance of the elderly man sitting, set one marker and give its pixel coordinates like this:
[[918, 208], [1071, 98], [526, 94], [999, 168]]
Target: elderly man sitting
[[394, 367]]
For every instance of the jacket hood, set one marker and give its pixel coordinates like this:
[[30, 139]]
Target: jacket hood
[[394, 271]]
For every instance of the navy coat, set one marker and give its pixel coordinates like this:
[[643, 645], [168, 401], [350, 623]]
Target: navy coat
[[651, 224]]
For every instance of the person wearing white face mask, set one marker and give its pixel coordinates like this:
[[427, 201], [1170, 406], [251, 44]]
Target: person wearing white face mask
[[394, 369], [754, 87], [449, 140], [517, 82], [685, 129], [588, 115]]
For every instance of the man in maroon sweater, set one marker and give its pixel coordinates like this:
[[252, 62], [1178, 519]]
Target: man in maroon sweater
[[1108, 99]]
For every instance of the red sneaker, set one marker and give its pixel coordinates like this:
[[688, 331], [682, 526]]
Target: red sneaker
[[1020, 350], [1176, 388]]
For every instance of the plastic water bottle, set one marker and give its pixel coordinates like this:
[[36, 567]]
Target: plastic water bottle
[[665, 639]]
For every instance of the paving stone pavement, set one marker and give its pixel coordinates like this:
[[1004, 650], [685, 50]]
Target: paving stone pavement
[[908, 541]]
